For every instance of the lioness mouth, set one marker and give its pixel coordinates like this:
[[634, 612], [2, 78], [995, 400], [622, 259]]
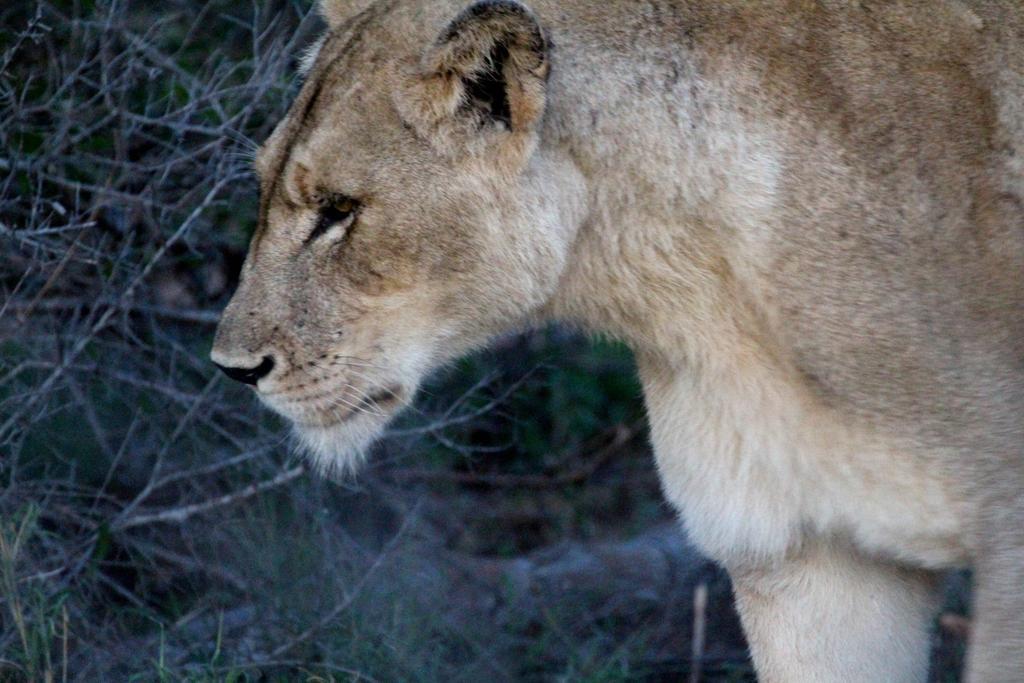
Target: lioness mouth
[[373, 403]]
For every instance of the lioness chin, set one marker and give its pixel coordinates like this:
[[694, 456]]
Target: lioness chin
[[807, 219]]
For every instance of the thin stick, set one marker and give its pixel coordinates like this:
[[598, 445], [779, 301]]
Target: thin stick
[[700, 606], [529, 481], [348, 599], [178, 515], [64, 646]]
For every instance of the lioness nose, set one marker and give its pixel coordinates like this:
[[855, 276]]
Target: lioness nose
[[249, 375]]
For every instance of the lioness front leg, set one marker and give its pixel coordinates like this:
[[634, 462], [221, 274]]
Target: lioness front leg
[[829, 614], [997, 635]]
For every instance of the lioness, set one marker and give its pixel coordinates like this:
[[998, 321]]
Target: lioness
[[806, 218]]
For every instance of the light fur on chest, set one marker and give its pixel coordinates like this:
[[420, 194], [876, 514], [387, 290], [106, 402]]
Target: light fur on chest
[[755, 468]]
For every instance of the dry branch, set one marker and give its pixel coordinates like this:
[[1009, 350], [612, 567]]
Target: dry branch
[[180, 514], [623, 434]]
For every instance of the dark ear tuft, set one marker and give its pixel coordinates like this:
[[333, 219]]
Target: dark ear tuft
[[509, 16], [497, 50], [482, 82], [488, 91]]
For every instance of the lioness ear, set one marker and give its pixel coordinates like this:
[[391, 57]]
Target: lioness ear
[[486, 72]]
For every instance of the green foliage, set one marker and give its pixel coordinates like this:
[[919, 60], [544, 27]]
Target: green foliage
[[540, 396]]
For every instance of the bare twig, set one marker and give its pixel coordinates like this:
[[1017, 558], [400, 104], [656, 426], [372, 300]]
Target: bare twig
[[700, 606], [623, 434], [180, 514], [347, 601], [63, 304]]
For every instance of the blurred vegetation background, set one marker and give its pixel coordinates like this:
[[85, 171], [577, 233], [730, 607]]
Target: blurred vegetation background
[[155, 523]]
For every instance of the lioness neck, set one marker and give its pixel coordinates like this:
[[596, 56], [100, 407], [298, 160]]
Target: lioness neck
[[680, 177]]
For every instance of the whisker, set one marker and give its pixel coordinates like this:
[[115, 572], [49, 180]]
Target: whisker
[[361, 375], [360, 406], [368, 399], [355, 361], [338, 401]]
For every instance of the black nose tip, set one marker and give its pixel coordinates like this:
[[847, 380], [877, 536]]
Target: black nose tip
[[249, 375]]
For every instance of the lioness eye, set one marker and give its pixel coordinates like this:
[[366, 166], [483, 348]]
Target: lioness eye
[[337, 212]]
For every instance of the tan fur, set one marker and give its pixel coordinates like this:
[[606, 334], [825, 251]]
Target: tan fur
[[807, 219]]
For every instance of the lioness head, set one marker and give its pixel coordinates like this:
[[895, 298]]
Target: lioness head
[[409, 211]]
